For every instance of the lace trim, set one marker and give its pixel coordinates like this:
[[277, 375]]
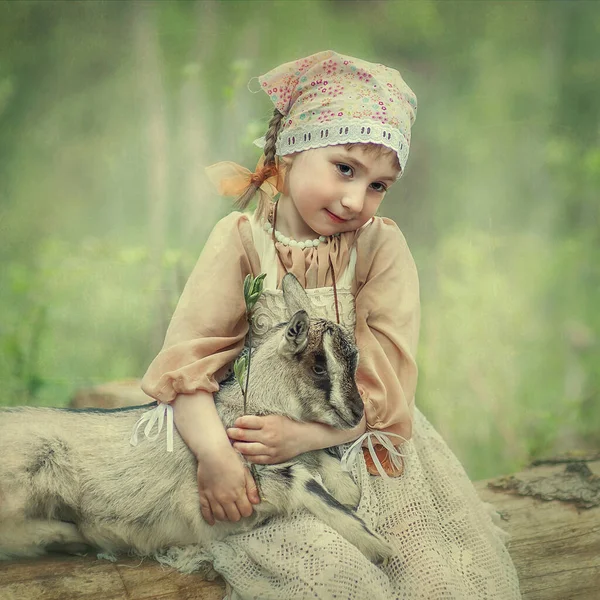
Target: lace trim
[[319, 135]]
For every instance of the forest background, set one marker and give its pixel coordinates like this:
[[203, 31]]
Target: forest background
[[109, 112]]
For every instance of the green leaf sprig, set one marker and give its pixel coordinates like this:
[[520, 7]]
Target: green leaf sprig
[[253, 288], [240, 367]]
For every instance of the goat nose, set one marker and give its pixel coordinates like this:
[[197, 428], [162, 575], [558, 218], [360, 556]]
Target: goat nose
[[357, 407]]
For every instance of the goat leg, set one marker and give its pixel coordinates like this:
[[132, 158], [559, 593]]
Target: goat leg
[[350, 526], [291, 486], [338, 483], [33, 537]]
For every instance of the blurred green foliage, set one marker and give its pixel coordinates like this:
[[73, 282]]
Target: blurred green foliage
[[110, 110]]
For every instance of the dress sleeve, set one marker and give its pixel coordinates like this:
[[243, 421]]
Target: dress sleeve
[[207, 330], [387, 327]]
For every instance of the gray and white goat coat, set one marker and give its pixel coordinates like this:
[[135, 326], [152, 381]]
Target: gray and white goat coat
[[70, 478]]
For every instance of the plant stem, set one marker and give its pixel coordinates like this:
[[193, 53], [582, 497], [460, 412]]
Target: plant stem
[[249, 357]]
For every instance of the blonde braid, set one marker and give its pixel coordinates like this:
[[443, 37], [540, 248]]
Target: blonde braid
[[270, 161], [271, 137]]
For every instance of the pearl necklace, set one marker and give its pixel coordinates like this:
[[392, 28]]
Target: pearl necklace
[[288, 241]]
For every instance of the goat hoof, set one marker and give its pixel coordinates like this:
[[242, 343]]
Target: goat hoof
[[383, 561], [383, 553], [74, 548]]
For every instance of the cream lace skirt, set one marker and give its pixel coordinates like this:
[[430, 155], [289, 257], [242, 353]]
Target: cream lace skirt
[[447, 546]]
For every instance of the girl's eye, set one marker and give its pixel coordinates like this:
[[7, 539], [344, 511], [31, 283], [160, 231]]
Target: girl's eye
[[344, 169], [379, 187], [319, 370]]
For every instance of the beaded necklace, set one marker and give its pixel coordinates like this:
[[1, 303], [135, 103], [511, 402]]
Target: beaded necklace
[[306, 244], [288, 241]]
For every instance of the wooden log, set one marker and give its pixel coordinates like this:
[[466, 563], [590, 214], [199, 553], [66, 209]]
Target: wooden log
[[88, 578], [555, 545], [111, 395]]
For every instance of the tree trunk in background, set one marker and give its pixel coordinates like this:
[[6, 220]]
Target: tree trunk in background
[[196, 212], [237, 113], [153, 104]]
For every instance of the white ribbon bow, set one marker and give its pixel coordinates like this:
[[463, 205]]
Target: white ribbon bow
[[349, 457], [155, 416]]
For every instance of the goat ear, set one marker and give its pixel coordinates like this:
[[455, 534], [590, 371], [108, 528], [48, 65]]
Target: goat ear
[[295, 295], [295, 337]]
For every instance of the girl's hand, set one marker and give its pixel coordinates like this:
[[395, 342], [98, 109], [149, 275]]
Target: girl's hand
[[269, 440], [226, 487]]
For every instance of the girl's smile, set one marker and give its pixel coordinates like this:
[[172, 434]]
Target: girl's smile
[[335, 218]]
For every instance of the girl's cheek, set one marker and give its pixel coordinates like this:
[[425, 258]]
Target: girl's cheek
[[312, 191]]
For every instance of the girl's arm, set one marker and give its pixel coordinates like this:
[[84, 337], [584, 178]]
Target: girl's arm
[[387, 328], [225, 485], [205, 334], [319, 436], [275, 439]]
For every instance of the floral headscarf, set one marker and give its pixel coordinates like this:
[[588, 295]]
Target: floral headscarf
[[330, 99]]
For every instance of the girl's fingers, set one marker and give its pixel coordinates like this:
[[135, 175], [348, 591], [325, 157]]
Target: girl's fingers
[[251, 489], [206, 511], [249, 422], [218, 512], [243, 505], [246, 435], [208, 516], [232, 512], [250, 449]]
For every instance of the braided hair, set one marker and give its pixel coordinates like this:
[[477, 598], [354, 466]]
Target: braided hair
[[269, 169]]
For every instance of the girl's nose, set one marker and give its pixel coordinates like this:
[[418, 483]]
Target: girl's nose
[[353, 200]]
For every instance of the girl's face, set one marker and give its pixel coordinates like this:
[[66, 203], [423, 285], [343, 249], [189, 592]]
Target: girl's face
[[334, 189]]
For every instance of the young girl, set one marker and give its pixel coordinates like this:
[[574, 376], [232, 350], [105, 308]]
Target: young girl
[[339, 138]]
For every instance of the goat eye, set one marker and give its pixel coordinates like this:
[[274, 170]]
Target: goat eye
[[319, 370]]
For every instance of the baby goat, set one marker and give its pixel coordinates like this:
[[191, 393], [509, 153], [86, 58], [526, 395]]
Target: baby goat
[[70, 478]]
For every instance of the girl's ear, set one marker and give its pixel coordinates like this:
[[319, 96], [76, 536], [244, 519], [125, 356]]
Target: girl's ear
[[286, 160], [285, 164]]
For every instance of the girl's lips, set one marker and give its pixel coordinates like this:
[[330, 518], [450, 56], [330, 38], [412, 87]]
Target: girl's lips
[[335, 217]]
